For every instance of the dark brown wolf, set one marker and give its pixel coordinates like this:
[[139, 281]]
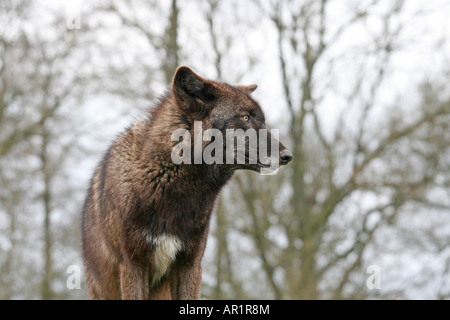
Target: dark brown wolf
[[146, 219]]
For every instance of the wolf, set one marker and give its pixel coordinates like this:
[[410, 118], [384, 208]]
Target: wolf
[[145, 219]]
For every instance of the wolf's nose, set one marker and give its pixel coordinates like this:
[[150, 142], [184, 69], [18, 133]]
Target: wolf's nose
[[285, 156]]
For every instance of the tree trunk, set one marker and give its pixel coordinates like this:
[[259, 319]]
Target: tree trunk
[[171, 44], [46, 291]]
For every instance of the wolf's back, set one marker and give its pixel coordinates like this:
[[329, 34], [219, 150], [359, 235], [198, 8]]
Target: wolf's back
[[102, 219]]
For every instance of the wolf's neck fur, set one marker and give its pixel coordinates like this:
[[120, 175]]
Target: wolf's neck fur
[[165, 195], [156, 147]]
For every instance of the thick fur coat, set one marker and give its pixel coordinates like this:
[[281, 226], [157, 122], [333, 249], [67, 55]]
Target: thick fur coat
[[145, 219]]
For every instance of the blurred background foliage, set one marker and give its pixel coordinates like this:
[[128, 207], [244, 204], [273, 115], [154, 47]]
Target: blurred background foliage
[[358, 89]]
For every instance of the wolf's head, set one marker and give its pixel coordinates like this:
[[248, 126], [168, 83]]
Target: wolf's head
[[229, 123]]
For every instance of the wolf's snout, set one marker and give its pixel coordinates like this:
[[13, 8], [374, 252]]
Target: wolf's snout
[[285, 156]]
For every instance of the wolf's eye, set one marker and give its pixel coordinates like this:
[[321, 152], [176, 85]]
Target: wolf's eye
[[246, 118]]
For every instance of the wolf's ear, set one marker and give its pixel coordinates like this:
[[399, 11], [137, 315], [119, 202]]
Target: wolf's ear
[[249, 89], [190, 89]]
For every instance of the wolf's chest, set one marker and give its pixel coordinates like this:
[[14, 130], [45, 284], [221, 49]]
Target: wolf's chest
[[165, 250]]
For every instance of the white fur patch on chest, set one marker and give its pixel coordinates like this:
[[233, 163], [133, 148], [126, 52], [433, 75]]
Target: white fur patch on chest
[[166, 248]]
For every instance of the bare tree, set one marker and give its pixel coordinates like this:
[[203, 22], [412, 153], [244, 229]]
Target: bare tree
[[346, 170], [164, 43], [39, 80]]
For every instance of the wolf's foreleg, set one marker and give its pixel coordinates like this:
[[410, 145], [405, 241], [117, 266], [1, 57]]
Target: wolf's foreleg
[[134, 281]]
